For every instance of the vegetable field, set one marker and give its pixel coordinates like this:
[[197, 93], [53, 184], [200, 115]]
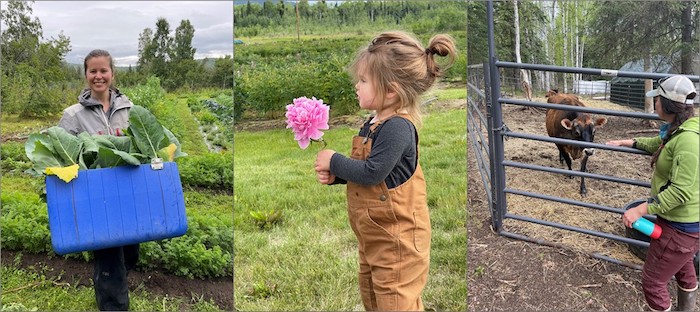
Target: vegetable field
[[202, 257]]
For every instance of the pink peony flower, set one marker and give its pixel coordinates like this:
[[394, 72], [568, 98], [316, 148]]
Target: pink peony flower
[[307, 117]]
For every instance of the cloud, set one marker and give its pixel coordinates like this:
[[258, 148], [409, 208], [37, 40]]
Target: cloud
[[115, 25]]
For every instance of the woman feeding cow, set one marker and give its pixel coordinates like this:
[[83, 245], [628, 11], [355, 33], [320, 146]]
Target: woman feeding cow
[[675, 195]]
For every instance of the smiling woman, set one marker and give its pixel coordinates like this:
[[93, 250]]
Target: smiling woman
[[72, 76]]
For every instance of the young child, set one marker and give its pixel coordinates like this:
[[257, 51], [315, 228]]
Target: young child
[[387, 201]]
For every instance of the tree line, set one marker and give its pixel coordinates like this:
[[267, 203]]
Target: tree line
[[253, 17], [37, 81], [594, 34]]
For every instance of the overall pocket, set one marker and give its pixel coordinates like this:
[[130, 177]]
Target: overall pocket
[[421, 231]]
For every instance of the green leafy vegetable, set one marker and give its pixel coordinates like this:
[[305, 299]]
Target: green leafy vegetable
[[148, 134], [67, 146], [144, 139]]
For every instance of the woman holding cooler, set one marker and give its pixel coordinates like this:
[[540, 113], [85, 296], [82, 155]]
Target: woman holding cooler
[[102, 109]]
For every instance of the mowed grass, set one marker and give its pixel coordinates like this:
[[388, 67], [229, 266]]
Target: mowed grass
[[25, 290], [308, 260]]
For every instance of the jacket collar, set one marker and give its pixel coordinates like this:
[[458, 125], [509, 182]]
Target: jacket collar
[[115, 99]]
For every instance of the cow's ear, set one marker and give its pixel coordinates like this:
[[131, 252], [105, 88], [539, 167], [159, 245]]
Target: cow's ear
[[567, 124], [600, 121]]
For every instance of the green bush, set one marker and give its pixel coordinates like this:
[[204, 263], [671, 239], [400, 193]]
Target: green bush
[[211, 170], [146, 95], [194, 103], [13, 159], [269, 88], [24, 224], [206, 117]]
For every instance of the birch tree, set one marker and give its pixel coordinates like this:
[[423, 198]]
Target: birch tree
[[524, 74]]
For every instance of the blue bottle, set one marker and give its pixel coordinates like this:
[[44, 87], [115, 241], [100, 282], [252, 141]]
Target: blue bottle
[[647, 227]]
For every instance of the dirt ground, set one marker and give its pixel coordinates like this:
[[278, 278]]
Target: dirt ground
[[507, 274], [78, 272]]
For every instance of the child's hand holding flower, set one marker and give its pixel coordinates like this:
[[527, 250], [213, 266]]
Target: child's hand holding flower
[[323, 166], [323, 160]]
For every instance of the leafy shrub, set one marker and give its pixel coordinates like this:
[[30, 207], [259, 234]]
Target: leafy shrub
[[146, 95], [211, 170], [189, 257], [269, 88], [194, 104], [24, 224], [13, 158], [206, 117]]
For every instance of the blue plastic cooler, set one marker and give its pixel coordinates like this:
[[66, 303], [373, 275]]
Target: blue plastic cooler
[[111, 207]]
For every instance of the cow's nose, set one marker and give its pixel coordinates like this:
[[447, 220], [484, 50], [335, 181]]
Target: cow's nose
[[589, 151]]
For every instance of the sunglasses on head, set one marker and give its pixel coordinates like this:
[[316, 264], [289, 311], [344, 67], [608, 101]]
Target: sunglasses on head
[[660, 81]]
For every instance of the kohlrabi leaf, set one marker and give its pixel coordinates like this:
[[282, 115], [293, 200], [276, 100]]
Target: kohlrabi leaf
[[64, 173], [89, 144], [89, 153], [30, 143], [42, 157], [108, 157], [120, 143], [66, 145], [147, 133]]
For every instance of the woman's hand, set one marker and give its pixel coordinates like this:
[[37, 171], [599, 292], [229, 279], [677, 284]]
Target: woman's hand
[[625, 143], [633, 214], [323, 160], [325, 177]]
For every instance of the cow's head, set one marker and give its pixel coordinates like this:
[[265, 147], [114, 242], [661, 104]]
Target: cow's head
[[583, 128], [551, 92]]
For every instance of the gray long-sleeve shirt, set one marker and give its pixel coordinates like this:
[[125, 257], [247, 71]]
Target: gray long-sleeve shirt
[[392, 159]]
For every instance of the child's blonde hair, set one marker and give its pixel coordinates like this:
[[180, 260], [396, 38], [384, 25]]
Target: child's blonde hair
[[398, 62]]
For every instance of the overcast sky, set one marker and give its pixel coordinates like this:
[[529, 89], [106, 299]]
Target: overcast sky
[[115, 25]]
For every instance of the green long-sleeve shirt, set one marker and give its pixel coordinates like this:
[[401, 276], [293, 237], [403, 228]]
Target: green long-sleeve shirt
[[675, 178]]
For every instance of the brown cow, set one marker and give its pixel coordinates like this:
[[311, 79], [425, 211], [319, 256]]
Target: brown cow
[[571, 125]]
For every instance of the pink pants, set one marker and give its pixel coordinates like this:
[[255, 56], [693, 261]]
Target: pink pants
[[670, 255]]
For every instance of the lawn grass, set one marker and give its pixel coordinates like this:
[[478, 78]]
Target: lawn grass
[[12, 124], [308, 260], [32, 291], [450, 93]]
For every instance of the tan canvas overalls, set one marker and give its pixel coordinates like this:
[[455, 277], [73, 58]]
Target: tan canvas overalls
[[393, 232]]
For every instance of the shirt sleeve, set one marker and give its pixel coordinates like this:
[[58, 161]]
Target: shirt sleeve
[[683, 180], [649, 144], [389, 144]]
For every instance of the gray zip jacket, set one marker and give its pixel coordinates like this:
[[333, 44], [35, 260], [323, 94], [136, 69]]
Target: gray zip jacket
[[88, 115]]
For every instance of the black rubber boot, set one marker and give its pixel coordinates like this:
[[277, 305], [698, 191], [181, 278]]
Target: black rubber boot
[[111, 287], [686, 299]]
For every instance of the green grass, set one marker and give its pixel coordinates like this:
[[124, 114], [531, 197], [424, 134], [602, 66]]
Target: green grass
[[450, 93], [308, 261], [13, 124], [25, 290]]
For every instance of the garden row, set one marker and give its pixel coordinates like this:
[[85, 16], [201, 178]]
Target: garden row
[[270, 74]]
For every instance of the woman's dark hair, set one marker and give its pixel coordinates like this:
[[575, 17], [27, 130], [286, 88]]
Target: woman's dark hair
[[681, 113]]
